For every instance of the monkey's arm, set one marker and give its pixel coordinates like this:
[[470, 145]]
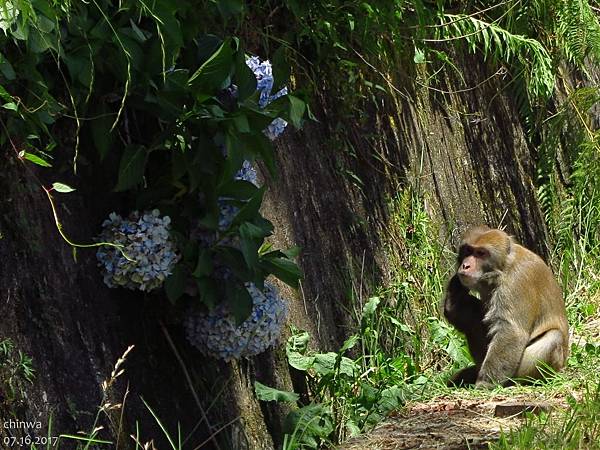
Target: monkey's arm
[[504, 354], [466, 313], [461, 308]]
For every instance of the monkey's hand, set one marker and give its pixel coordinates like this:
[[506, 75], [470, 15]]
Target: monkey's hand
[[456, 288], [461, 308]]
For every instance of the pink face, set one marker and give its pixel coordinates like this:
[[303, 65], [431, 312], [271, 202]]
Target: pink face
[[470, 269]]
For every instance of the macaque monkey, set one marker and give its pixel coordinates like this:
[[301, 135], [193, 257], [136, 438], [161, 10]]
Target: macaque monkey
[[519, 323]]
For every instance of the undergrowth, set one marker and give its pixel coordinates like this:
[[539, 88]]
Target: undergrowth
[[402, 349]]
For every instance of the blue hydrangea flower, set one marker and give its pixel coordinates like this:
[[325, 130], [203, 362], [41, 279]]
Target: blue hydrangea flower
[[216, 333], [146, 241], [263, 71], [248, 172]]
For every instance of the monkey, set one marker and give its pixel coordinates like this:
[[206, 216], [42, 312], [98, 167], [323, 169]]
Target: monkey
[[518, 324]]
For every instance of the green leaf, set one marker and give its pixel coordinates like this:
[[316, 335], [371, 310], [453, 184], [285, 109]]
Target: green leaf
[[309, 424], [239, 302], [175, 283], [207, 291], [281, 68], [204, 267], [238, 189], [419, 57], [292, 252], [213, 74], [284, 269], [297, 108], [233, 258], [207, 45], [298, 341], [101, 134], [132, 167], [5, 95], [229, 8], [371, 306], [251, 239], [244, 77], [34, 159], [250, 209], [11, 106], [299, 361], [325, 363], [63, 188], [349, 343], [261, 146], [268, 394], [6, 68]]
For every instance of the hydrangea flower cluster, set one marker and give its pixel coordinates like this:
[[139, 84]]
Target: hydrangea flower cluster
[[216, 333], [146, 241], [263, 71], [247, 173]]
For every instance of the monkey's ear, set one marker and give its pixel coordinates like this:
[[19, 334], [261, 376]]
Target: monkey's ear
[[509, 246]]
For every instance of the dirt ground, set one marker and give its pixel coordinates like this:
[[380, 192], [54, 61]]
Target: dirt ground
[[449, 423]]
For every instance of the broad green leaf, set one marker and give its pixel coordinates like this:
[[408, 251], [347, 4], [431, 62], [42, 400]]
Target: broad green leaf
[[239, 302], [371, 306], [132, 167], [300, 361], [251, 239], [325, 364], [207, 291], [297, 108], [6, 68], [63, 188], [284, 269], [349, 343], [229, 8], [5, 95], [298, 341], [175, 283], [261, 147], [213, 74], [309, 424], [267, 394], [204, 267], [281, 68], [34, 159], [207, 44], [244, 77], [238, 189], [292, 252], [101, 134], [233, 258], [419, 57], [392, 398], [250, 209]]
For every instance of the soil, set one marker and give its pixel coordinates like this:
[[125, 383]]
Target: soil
[[448, 423]]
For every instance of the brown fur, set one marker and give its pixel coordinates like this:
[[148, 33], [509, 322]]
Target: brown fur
[[520, 320]]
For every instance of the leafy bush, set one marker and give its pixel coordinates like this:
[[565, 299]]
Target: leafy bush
[[144, 84]]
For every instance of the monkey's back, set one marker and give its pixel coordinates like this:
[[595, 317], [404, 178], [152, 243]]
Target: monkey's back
[[535, 280]]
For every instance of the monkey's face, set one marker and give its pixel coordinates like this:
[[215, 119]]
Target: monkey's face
[[472, 264]]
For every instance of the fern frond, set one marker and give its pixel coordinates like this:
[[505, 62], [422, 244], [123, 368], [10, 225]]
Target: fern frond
[[504, 46], [578, 30]]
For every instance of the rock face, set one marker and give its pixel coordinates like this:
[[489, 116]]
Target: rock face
[[464, 151]]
